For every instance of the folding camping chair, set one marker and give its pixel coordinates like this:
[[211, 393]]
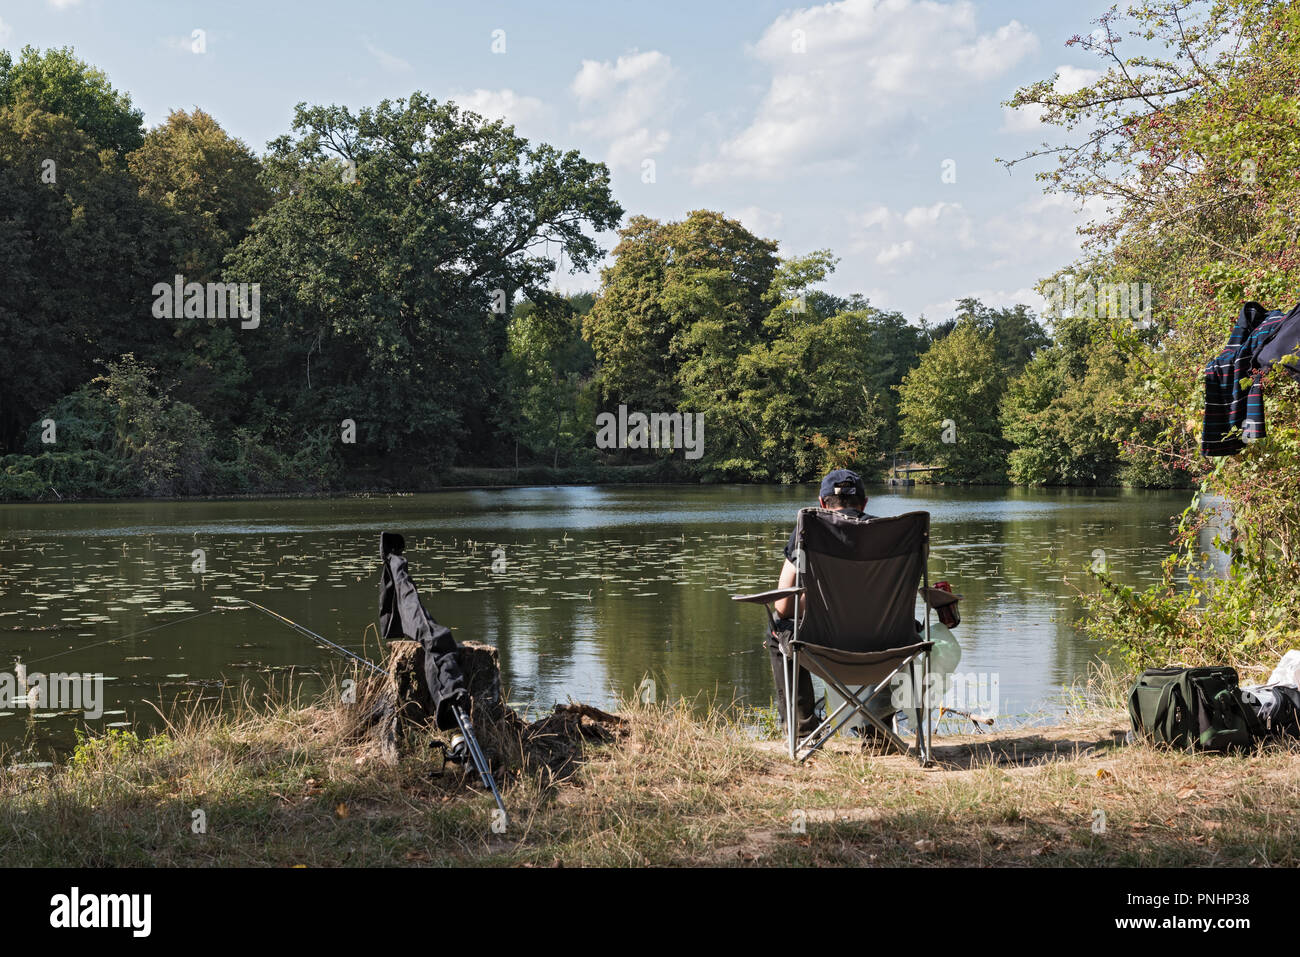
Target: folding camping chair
[[854, 619]]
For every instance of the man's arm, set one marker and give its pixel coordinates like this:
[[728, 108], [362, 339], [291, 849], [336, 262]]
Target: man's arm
[[784, 607]]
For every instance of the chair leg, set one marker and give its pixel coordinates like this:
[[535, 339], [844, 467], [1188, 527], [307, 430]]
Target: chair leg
[[791, 704], [821, 735], [929, 738], [920, 702], [929, 734], [860, 706], [924, 716]]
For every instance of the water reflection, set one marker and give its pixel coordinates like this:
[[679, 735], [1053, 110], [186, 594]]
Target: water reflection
[[585, 590]]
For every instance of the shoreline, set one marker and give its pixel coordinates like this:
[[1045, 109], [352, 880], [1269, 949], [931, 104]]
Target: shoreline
[[286, 786], [877, 488]]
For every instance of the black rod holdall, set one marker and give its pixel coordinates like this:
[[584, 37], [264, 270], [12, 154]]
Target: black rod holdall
[[1199, 709]]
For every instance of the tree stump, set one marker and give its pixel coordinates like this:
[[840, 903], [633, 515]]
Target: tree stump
[[406, 679], [481, 666], [401, 703], [479, 663]]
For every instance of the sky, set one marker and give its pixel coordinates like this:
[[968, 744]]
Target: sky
[[869, 127]]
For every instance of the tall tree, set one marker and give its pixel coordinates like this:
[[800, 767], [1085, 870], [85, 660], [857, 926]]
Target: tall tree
[[1188, 136], [548, 368], [57, 82], [82, 251], [398, 238], [949, 406], [1017, 333], [210, 185], [675, 307], [629, 328], [210, 180]]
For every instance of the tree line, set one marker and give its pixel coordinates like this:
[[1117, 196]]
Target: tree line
[[405, 327]]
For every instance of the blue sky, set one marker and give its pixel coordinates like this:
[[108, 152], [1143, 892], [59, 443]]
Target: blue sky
[[818, 126]]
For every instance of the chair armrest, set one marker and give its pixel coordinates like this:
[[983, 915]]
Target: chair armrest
[[767, 597]]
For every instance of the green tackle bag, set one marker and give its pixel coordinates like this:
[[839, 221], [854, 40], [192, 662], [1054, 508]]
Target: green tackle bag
[[1200, 709]]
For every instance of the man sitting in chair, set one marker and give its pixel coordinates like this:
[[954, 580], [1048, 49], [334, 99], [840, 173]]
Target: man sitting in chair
[[841, 491]]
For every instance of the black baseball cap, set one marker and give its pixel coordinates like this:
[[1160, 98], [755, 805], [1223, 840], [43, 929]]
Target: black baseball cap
[[842, 482]]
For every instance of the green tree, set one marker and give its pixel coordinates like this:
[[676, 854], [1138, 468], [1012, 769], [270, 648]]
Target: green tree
[[676, 308], [681, 305], [817, 396], [398, 237], [949, 407], [1017, 334], [166, 443], [57, 82], [1062, 429], [701, 315], [82, 251], [209, 184], [548, 368], [190, 166], [1189, 139], [628, 327]]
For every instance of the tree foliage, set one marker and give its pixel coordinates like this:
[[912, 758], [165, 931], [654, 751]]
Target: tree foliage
[[404, 257], [81, 250], [211, 181], [948, 406], [1188, 137], [57, 82], [397, 236]]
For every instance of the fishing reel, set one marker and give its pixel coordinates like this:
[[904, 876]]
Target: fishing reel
[[457, 752]]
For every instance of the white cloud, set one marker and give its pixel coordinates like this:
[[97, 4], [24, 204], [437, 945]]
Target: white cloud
[[992, 54], [633, 147], [894, 252], [5, 31], [993, 298], [876, 216], [759, 221], [388, 62], [868, 64], [63, 4], [1044, 226], [188, 43], [500, 105], [1028, 119], [891, 237], [626, 104], [945, 248]]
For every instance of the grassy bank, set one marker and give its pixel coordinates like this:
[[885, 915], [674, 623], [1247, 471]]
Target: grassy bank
[[279, 784]]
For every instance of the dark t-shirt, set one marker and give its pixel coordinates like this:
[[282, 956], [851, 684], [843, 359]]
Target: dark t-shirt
[[793, 544]]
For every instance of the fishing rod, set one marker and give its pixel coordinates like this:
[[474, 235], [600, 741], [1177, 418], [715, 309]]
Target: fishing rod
[[462, 719], [480, 761], [315, 637]]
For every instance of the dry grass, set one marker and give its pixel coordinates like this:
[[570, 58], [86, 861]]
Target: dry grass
[[279, 783]]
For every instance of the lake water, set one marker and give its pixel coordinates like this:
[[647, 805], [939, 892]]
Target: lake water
[[586, 591]]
